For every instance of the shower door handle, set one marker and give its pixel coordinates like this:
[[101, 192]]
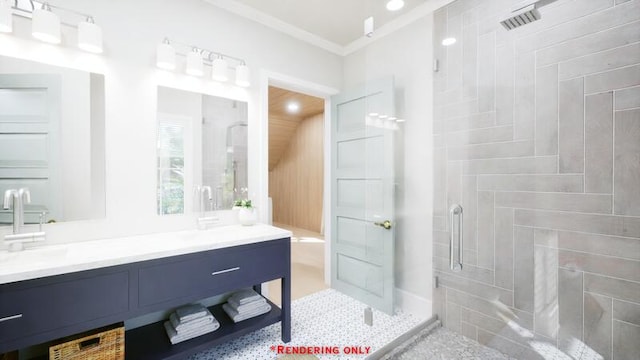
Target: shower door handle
[[455, 212]]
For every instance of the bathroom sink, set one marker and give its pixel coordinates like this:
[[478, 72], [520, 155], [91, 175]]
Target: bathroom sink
[[34, 256]]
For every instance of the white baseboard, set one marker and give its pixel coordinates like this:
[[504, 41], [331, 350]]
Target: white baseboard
[[413, 304]]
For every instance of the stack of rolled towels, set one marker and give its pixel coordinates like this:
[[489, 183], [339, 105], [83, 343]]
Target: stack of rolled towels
[[188, 322], [245, 304]]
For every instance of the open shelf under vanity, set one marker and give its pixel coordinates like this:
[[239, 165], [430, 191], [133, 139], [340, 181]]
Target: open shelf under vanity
[[150, 342]]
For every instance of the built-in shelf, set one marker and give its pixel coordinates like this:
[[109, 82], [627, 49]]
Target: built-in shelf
[[150, 342]]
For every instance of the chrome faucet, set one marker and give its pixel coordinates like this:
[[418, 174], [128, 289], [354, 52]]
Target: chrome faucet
[[205, 195], [15, 199], [205, 190]]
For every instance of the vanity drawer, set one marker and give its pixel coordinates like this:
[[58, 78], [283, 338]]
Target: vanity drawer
[[26, 310], [211, 273]]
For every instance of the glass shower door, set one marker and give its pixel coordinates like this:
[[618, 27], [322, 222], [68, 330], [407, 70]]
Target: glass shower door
[[537, 138]]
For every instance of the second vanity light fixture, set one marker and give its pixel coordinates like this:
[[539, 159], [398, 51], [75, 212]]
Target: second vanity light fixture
[[46, 24], [383, 121], [197, 57]]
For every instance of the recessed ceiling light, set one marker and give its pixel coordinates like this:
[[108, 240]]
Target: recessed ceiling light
[[448, 41], [394, 5], [293, 107]]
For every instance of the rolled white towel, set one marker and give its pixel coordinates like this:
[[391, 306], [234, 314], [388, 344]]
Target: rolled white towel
[[245, 296], [191, 324], [248, 307], [191, 312], [237, 317]]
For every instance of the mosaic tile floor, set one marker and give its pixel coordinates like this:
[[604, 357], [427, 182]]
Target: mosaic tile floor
[[327, 318], [443, 344]]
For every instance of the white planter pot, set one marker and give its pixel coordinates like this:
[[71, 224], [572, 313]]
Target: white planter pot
[[247, 216]]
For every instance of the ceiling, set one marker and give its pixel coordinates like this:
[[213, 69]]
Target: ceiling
[[283, 125], [334, 25]]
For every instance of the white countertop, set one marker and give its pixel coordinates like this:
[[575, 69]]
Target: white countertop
[[43, 260]]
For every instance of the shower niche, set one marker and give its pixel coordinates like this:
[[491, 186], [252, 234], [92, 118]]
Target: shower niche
[[201, 152]]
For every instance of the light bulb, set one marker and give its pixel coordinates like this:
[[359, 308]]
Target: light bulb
[[394, 5], [219, 69], [90, 36], [46, 25], [242, 75], [6, 17], [194, 63], [165, 56]]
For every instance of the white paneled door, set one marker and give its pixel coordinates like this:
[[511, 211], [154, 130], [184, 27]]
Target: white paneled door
[[362, 205], [29, 136]]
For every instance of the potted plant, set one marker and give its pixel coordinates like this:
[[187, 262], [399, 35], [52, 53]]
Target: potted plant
[[247, 214]]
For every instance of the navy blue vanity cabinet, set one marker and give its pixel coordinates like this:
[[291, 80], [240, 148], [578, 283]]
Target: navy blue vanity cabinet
[[178, 280], [170, 282], [41, 310]]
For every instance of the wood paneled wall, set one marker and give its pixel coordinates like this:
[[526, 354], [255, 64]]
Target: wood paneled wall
[[296, 181]]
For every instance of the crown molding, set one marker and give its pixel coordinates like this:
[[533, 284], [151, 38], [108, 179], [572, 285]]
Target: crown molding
[[303, 35], [276, 24]]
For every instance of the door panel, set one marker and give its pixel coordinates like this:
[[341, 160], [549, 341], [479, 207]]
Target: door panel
[[29, 151], [361, 274], [362, 194]]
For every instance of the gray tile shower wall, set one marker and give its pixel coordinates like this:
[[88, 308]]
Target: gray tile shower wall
[[537, 136]]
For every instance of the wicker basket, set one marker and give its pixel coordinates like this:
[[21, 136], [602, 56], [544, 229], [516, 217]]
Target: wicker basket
[[101, 344]]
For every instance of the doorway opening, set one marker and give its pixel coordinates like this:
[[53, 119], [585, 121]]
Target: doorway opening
[[296, 184]]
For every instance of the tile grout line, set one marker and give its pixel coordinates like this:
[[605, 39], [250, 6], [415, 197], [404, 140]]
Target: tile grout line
[[613, 154]]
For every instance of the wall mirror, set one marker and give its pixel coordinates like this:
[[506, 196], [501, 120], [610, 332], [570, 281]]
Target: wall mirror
[[201, 152], [52, 140]]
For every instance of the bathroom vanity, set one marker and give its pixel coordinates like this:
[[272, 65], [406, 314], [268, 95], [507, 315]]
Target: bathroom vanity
[[55, 291]]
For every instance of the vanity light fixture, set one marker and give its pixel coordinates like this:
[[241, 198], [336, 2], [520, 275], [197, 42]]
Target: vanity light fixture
[[6, 17], [395, 5], [90, 36], [449, 41], [383, 121], [46, 25], [242, 75], [197, 57], [220, 69], [195, 66], [165, 55]]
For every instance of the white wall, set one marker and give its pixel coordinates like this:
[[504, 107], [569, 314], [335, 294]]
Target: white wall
[[132, 29], [407, 55]]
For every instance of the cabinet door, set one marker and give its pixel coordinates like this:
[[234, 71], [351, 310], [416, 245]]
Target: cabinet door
[[26, 311], [210, 273]]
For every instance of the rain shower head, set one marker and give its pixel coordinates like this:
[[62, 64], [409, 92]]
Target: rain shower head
[[526, 13], [521, 17]]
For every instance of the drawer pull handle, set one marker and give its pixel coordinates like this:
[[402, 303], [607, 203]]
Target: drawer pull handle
[[11, 317], [225, 271]]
